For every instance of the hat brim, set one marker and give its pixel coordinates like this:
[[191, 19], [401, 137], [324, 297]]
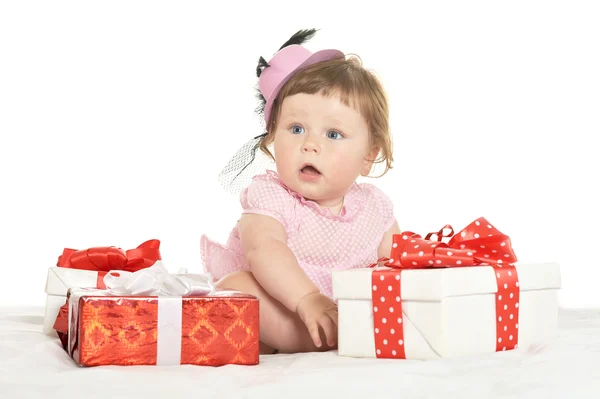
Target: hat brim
[[318, 56]]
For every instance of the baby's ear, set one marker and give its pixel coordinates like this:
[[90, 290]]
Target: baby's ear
[[369, 160]]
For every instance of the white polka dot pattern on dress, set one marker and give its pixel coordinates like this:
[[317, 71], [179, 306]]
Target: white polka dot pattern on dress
[[386, 320], [319, 240]]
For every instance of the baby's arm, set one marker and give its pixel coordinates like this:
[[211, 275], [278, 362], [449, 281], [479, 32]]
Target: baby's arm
[[386, 243], [276, 269], [274, 266]]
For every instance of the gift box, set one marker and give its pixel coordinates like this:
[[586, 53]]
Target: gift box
[[214, 329], [86, 268], [432, 299]]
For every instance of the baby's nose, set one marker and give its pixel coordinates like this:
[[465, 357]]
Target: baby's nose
[[310, 145]]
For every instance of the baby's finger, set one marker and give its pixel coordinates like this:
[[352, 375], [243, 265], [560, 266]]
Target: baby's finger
[[333, 315], [329, 329], [313, 330]]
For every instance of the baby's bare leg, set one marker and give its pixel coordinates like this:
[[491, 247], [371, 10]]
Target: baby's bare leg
[[280, 328]]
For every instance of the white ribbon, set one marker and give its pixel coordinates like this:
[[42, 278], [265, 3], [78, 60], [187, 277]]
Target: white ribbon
[[170, 288], [157, 281]]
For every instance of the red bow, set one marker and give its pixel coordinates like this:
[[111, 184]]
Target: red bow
[[111, 258], [477, 244]]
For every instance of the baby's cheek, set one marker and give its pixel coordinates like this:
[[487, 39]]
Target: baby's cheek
[[345, 167], [283, 160], [285, 168]]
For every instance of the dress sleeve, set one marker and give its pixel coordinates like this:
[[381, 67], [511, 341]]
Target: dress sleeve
[[266, 196], [384, 205]]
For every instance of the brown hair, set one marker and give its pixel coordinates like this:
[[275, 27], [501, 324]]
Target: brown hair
[[348, 79]]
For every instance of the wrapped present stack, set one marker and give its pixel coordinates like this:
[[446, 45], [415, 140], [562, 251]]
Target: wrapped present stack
[[152, 317], [433, 299]]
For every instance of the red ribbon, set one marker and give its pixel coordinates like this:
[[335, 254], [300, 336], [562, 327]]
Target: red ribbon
[[478, 244], [104, 259]]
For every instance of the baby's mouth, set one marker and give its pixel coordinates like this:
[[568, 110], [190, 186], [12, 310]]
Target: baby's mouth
[[310, 170]]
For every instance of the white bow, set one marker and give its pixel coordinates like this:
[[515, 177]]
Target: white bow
[[156, 280]]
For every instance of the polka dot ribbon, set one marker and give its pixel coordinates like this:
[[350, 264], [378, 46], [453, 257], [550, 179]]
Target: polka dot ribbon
[[478, 244]]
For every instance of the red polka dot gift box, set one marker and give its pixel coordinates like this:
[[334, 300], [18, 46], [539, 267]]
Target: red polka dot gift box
[[433, 299]]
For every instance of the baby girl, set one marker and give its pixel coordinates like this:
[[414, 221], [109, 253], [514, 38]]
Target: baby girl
[[326, 124]]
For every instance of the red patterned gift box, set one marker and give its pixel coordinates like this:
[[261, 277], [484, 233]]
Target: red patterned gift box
[[433, 299], [213, 330]]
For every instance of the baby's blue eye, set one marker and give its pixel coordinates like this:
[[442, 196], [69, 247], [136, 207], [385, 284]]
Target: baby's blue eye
[[296, 129], [332, 134]]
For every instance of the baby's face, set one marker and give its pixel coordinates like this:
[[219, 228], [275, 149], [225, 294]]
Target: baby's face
[[321, 146]]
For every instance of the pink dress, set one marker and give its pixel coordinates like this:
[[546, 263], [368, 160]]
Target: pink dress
[[321, 241]]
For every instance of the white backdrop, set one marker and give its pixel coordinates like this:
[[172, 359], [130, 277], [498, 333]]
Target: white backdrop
[[116, 117]]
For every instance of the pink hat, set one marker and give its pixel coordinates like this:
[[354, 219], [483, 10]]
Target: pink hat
[[284, 64]]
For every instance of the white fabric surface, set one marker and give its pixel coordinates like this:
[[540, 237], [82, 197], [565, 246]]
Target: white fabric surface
[[33, 365]]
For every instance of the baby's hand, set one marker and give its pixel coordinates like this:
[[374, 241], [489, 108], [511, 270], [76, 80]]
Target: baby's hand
[[317, 310]]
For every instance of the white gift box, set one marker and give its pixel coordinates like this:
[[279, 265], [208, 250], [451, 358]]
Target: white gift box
[[447, 312], [58, 282]]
